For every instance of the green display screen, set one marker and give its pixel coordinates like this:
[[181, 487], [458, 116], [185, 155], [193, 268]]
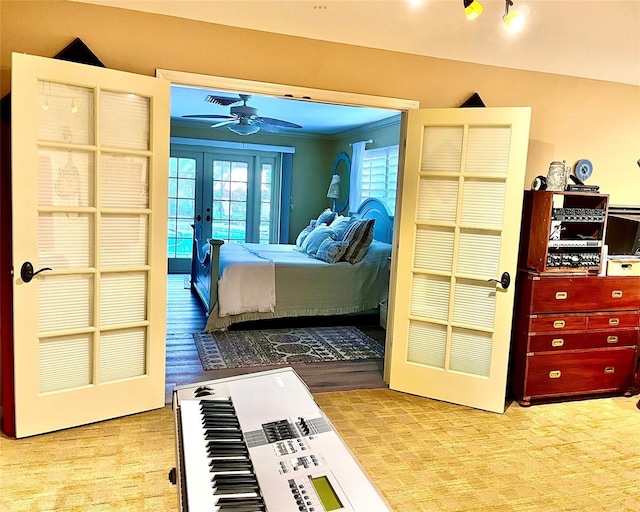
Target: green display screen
[[327, 495]]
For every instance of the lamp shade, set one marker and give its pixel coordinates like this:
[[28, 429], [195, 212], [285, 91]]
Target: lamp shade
[[334, 187], [472, 8]]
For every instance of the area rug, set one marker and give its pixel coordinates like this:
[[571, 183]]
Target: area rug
[[237, 349]]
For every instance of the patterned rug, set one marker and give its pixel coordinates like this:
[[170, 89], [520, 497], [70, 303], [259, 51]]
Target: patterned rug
[[236, 349]]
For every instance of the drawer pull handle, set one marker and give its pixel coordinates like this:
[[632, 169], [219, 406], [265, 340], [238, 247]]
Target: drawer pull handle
[[616, 294], [609, 369], [557, 342], [612, 339], [614, 321], [558, 324], [561, 295], [555, 374]]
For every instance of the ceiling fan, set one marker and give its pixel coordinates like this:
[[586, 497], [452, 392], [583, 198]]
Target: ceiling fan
[[243, 119]]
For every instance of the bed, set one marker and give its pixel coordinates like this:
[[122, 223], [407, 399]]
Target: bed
[[246, 282]]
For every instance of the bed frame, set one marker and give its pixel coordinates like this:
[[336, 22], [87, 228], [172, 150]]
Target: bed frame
[[205, 262]]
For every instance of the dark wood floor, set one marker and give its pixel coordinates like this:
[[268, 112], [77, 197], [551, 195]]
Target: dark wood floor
[[185, 317]]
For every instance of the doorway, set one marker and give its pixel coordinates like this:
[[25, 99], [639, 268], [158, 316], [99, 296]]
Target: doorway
[[176, 337]]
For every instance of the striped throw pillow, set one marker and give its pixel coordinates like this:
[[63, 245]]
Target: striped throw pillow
[[359, 235]]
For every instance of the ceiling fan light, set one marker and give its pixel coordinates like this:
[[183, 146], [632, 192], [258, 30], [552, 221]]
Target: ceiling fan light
[[244, 129], [473, 9]]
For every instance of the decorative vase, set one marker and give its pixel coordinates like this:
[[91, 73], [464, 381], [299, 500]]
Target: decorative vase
[[557, 175]]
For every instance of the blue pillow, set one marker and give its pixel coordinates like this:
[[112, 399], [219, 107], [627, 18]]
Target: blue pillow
[[304, 233], [326, 217], [315, 238], [340, 225], [331, 250]]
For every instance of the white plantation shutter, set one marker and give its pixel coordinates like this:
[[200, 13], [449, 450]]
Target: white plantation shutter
[[379, 176]]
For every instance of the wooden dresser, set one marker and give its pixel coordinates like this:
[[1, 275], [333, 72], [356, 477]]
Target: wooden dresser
[[574, 335]]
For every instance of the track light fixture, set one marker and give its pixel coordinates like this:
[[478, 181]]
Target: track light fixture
[[472, 8], [513, 20]]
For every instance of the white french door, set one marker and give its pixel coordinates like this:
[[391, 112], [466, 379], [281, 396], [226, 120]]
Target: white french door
[[461, 191], [89, 184], [241, 197], [185, 185]]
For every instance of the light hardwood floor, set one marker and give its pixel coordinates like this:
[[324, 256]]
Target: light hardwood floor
[[185, 317]]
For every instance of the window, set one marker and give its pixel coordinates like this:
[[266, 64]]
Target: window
[[379, 175], [228, 190], [245, 197], [182, 188]]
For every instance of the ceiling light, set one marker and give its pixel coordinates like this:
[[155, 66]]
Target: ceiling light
[[513, 20], [244, 128], [472, 8]]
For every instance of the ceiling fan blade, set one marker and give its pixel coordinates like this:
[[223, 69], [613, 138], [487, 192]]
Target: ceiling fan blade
[[277, 122], [225, 101], [209, 116], [225, 123]]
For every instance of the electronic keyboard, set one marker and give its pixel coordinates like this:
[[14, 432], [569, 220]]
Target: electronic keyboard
[[259, 442]]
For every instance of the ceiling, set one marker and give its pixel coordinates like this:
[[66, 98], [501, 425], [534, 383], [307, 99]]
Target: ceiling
[[315, 118], [597, 39]]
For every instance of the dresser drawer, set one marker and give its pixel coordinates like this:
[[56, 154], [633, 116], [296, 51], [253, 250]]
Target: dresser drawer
[[558, 322], [583, 340], [584, 293], [610, 320], [579, 372]]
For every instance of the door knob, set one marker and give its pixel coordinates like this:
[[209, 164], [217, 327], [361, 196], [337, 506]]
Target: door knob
[[505, 280], [27, 273]]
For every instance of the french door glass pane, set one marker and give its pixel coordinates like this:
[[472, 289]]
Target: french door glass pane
[[123, 298], [124, 120], [65, 178], [427, 344], [470, 352], [122, 354], [434, 248], [65, 113], [266, 191], [124, 240], [182, 193], [124, 181], [230, 196], [65, 240], [430, 297], [65, 362], [65, 302]]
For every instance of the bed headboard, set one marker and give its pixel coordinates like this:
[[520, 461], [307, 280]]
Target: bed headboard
[[375, 209]]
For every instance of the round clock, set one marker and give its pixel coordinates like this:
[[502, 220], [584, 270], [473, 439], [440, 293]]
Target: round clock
[[583, 169]]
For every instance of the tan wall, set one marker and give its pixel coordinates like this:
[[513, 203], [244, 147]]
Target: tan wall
[[572, 118]]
